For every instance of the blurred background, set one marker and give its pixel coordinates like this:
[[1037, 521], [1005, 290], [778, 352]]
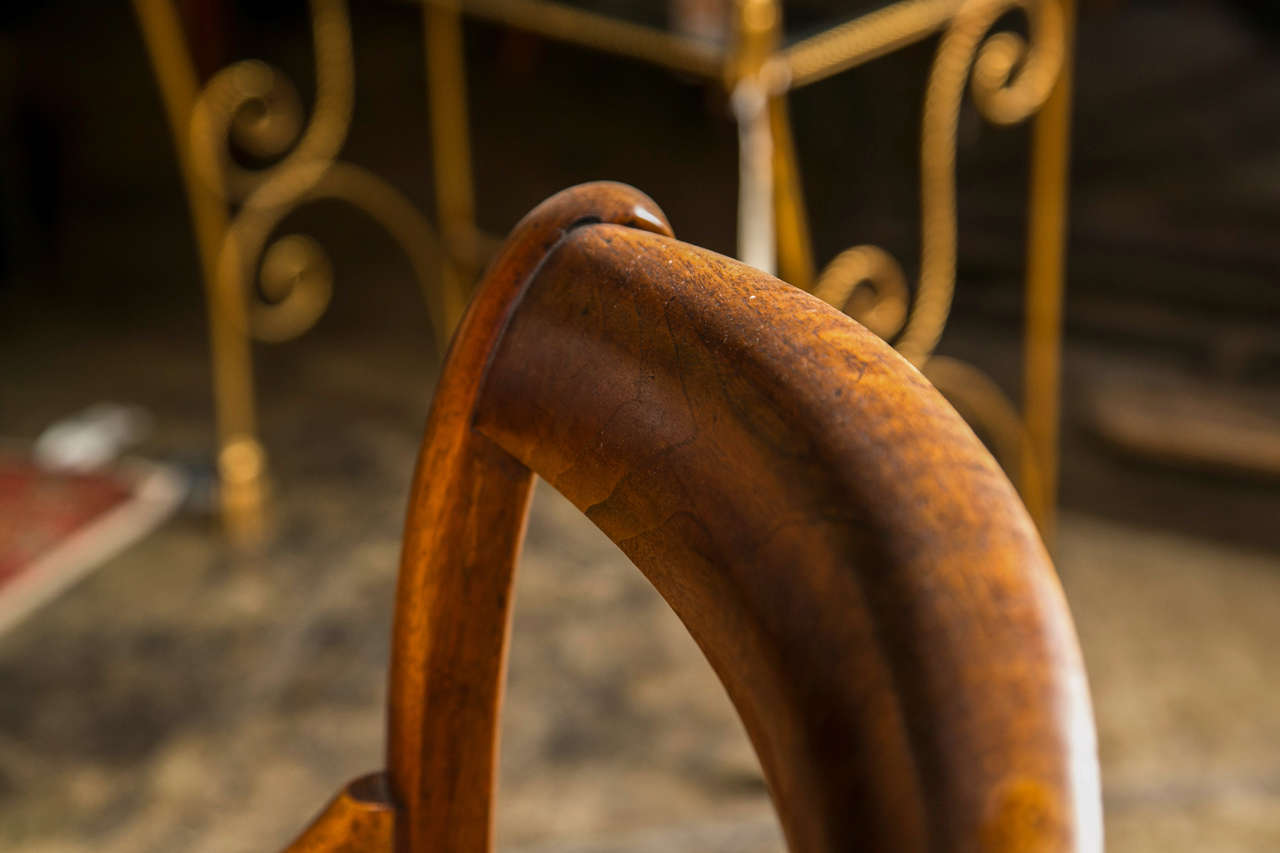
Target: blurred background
[[163, 687]]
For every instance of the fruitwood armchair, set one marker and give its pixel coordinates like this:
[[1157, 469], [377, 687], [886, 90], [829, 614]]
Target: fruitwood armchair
[[853, 563]]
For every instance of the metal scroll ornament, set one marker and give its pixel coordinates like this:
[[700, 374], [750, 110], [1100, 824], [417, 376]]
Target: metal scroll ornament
[[273, 289], [256, 108], [1010, 77]]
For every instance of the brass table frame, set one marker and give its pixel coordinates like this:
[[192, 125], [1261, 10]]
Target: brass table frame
[[235, 211], [1011, 78]]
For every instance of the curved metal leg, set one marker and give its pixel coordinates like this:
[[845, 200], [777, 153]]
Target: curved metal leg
[[241, 458], [236, 211]]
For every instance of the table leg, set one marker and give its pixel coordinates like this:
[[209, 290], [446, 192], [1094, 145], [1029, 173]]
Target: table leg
[[1046, 265], [241, 459], [451, 152], [791, 222]]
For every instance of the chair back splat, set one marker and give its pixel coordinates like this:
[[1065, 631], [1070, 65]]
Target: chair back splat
[[857, 569]]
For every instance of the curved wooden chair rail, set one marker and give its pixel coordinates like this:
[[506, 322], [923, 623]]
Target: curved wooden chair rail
[[852, 562]]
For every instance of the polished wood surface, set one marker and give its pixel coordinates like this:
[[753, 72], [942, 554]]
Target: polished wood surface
[[360, 818], [853, 563]]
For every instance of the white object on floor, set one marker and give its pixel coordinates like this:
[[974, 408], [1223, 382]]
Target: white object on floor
[[91, 439]]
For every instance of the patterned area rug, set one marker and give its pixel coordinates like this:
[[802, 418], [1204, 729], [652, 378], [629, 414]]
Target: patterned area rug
[[56, 526]]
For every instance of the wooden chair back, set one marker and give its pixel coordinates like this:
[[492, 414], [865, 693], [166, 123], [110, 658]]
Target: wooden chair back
[[853, 563]]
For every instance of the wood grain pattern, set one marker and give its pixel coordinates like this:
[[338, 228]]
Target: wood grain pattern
[[853, 563]]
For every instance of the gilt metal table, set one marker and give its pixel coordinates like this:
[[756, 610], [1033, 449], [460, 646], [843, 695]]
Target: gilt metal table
[[1012, 77]]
